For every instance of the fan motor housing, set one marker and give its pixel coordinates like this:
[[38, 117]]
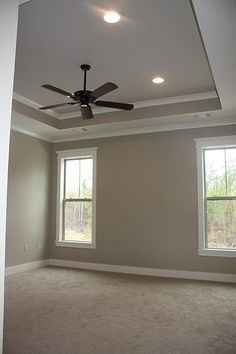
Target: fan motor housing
[[83, 96]]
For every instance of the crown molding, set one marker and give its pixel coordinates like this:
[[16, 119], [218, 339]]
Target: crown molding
[[23, 1], [124, 128], [140, 104], [123, 131], [29, 133]]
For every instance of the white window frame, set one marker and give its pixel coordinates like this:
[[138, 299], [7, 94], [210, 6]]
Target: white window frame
[[201, 145], [61, 157]]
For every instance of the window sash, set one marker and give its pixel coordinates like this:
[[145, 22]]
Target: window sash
[[212, 148], [64, 210], [220, 227], [64, 177], [66, 200], [212, 198]]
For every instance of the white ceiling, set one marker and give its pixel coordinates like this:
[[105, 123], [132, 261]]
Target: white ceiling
[[154, 37]]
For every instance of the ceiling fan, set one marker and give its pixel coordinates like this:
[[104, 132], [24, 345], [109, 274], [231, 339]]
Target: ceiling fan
[[84, 97]]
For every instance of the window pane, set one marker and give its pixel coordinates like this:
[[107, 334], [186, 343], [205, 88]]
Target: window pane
[[78, 221], [231, 171], [221, 224], [72, 178], [215, 176], [86, 178], [79, 178]]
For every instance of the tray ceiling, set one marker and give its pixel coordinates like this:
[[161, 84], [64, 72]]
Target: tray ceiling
[[153, 37]]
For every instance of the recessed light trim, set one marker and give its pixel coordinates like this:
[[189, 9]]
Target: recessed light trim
[[158, 80], [111, 17]]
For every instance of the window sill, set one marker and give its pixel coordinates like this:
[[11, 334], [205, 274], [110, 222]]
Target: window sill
[[217, 252], [75, 244]]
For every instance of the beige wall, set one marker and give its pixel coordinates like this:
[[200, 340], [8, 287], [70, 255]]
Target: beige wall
[[28, 205], [146, 202]]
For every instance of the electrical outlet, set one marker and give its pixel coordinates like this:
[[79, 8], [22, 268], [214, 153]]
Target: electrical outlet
[[39, 245], [26, 247]]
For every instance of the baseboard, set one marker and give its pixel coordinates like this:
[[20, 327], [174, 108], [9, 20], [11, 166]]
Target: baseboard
[[168, 273], [26, 266]]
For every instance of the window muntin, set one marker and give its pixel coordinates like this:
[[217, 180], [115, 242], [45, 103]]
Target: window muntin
[[76, 198]]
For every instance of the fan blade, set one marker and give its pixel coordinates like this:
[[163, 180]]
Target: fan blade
[[117, 105], [57, 105], [104, 89], [58, 90], [86, 112]]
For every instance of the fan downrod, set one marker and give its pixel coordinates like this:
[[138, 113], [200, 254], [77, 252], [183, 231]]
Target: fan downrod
[[85, 67]]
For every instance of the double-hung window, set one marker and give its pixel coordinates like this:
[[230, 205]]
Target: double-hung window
[[217, 196], [76, 204]]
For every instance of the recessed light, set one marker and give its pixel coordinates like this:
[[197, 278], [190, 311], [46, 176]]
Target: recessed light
[[158, 80], [111, 17]]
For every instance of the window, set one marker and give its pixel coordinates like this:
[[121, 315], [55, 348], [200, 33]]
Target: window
[[217, 196], [76, 198]]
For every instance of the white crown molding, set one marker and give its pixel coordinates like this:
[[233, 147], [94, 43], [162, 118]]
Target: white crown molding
[[148, 129], [123, 130], [176, 99], [151, 103], [140, 104], [27, 132], [23, 1], [166, 273]]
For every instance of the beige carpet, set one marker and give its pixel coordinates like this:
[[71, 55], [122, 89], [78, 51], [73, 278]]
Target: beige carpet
[[64, 311]]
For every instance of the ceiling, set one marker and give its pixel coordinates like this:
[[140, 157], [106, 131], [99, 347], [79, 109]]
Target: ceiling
[[154, 37]]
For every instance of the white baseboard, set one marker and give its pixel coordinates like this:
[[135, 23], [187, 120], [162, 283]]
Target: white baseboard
[[26, 266], [168, 273]]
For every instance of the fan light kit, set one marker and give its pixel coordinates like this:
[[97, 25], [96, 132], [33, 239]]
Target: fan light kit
[[84, 97], [158, 80], [111, 17]]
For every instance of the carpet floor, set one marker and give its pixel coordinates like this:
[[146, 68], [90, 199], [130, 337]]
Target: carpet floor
[[65, 311]]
